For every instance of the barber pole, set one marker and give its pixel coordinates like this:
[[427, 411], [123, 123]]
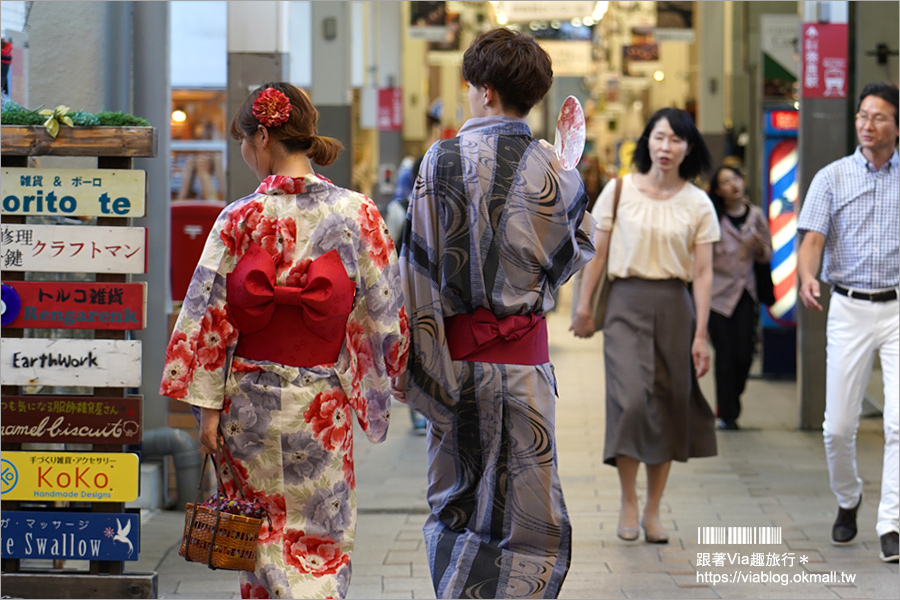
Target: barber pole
[[783, 225]]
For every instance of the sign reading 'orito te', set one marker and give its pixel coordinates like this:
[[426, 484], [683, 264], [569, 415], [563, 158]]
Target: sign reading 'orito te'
[[73, 192], [71, 535], [73, 249], [76, 305], [70, 419], [97, 363], [69, 476]]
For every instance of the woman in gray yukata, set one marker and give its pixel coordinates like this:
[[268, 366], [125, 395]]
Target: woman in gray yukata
[[495, 227]]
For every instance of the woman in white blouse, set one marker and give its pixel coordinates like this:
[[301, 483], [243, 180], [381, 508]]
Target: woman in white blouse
[[735, 305], [655, 343]]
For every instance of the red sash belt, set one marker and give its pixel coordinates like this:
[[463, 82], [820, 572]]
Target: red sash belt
[[482, 337]]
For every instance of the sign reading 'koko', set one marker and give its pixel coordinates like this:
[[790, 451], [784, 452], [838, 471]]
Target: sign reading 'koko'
[[69, 476], [73, 192], [73, 249], [75, 305], [70, 419], [97, 363]]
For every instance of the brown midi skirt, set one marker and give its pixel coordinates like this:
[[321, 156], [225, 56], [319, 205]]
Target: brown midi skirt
[[655, 411]]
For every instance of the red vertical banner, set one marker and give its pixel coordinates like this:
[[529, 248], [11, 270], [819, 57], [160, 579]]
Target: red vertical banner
[[390, 109], [825, 63]]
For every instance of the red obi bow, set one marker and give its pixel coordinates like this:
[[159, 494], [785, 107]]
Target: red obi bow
[[480, 336], [299, 326]]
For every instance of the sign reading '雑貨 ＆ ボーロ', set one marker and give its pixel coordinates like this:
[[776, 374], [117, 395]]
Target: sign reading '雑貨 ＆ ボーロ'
[[73, 249], [73, 192]]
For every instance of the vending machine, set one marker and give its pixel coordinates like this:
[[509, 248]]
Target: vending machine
[[779, 339]]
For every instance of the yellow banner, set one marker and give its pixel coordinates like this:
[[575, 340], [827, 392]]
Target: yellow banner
[[73, 192], [70, 476]]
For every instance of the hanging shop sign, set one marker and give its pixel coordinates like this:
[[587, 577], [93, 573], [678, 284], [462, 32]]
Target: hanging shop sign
[[70, 419], [70, 535], [69, 476], [824, 60], [73, 192], [390, 109], [73, 249], [94, 363], [74, 305]]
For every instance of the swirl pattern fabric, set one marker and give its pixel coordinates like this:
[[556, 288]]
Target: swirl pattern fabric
[[494, 223]]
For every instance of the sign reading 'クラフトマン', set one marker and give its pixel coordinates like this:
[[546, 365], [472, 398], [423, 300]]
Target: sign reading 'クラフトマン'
[[69, 476], [73, 192]]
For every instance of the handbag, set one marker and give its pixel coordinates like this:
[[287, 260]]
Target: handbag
[[600, 298], [765, 289], [222, 533]]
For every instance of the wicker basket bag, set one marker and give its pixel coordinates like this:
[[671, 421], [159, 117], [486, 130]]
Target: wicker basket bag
[[218, 538]]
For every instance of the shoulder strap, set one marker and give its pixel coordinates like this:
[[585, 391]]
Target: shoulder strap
[[617, 196]]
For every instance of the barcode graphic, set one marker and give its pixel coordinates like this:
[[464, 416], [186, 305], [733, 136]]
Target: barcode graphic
[[739, 535]]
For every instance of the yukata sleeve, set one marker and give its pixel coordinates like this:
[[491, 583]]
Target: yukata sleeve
[[377, 334], [432, 386], [203, 340]]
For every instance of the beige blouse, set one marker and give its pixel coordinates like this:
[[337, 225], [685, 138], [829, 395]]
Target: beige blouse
[[655, 239]]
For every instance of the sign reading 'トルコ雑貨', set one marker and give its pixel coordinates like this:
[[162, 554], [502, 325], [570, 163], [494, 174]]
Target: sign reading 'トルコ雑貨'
[[73, 192], [75, 305]]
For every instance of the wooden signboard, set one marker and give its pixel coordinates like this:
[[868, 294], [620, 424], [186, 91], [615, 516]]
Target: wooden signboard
[[75, 305], [73, 249], [70, 419], [97, 363], [71, 535], [73, 192], [69, 476]]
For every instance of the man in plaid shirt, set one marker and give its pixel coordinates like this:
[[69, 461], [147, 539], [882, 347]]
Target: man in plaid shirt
[[851, 211]]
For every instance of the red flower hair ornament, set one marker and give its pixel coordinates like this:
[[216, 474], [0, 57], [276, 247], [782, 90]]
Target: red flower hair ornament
[[272, 107]]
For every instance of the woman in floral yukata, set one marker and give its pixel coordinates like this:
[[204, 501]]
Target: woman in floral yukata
[[294, 320], [495, 227]]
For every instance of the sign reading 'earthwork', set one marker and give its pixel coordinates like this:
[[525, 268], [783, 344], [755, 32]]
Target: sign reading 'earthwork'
[[69, 476], [76, 305], [73, 192], [73, 249], [93, 363], [71, 535], [70, 419]]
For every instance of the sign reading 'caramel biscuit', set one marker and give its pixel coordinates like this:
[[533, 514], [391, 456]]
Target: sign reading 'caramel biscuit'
[[70, 419]]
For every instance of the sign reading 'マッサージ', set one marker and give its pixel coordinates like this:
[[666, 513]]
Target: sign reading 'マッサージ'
[[73, 249], [69, 476], [96, 363], [70, 419], [74, 305], [73, 192], [70, 535]]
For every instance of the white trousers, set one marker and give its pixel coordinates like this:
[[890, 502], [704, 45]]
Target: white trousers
[[857, 329]]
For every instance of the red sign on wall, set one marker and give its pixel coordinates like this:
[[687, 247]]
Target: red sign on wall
[[824, 60], [390, 109], [74, 305]]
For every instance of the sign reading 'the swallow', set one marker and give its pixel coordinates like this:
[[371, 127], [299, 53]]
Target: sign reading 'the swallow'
[[73, 192], [69, 476], [70, 535], [73, 249], [96, 363], [75, 305]]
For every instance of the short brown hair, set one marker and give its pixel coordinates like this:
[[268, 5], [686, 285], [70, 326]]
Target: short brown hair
[[298, 134], [511, 63]]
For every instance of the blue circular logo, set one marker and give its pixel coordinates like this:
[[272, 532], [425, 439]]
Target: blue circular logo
[[10, 304], [9, 476]]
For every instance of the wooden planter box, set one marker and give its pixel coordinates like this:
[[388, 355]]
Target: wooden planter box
[[33, 140]]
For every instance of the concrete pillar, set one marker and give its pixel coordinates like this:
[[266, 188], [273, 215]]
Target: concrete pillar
[[257, 53], [711, 87], [152, 100], [331, 90], [387, 30], [823, 138]]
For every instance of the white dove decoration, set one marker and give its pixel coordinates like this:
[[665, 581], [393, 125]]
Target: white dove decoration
[[122, 535]]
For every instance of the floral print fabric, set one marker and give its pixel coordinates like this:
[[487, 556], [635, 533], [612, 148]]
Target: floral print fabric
[[288, 430]]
